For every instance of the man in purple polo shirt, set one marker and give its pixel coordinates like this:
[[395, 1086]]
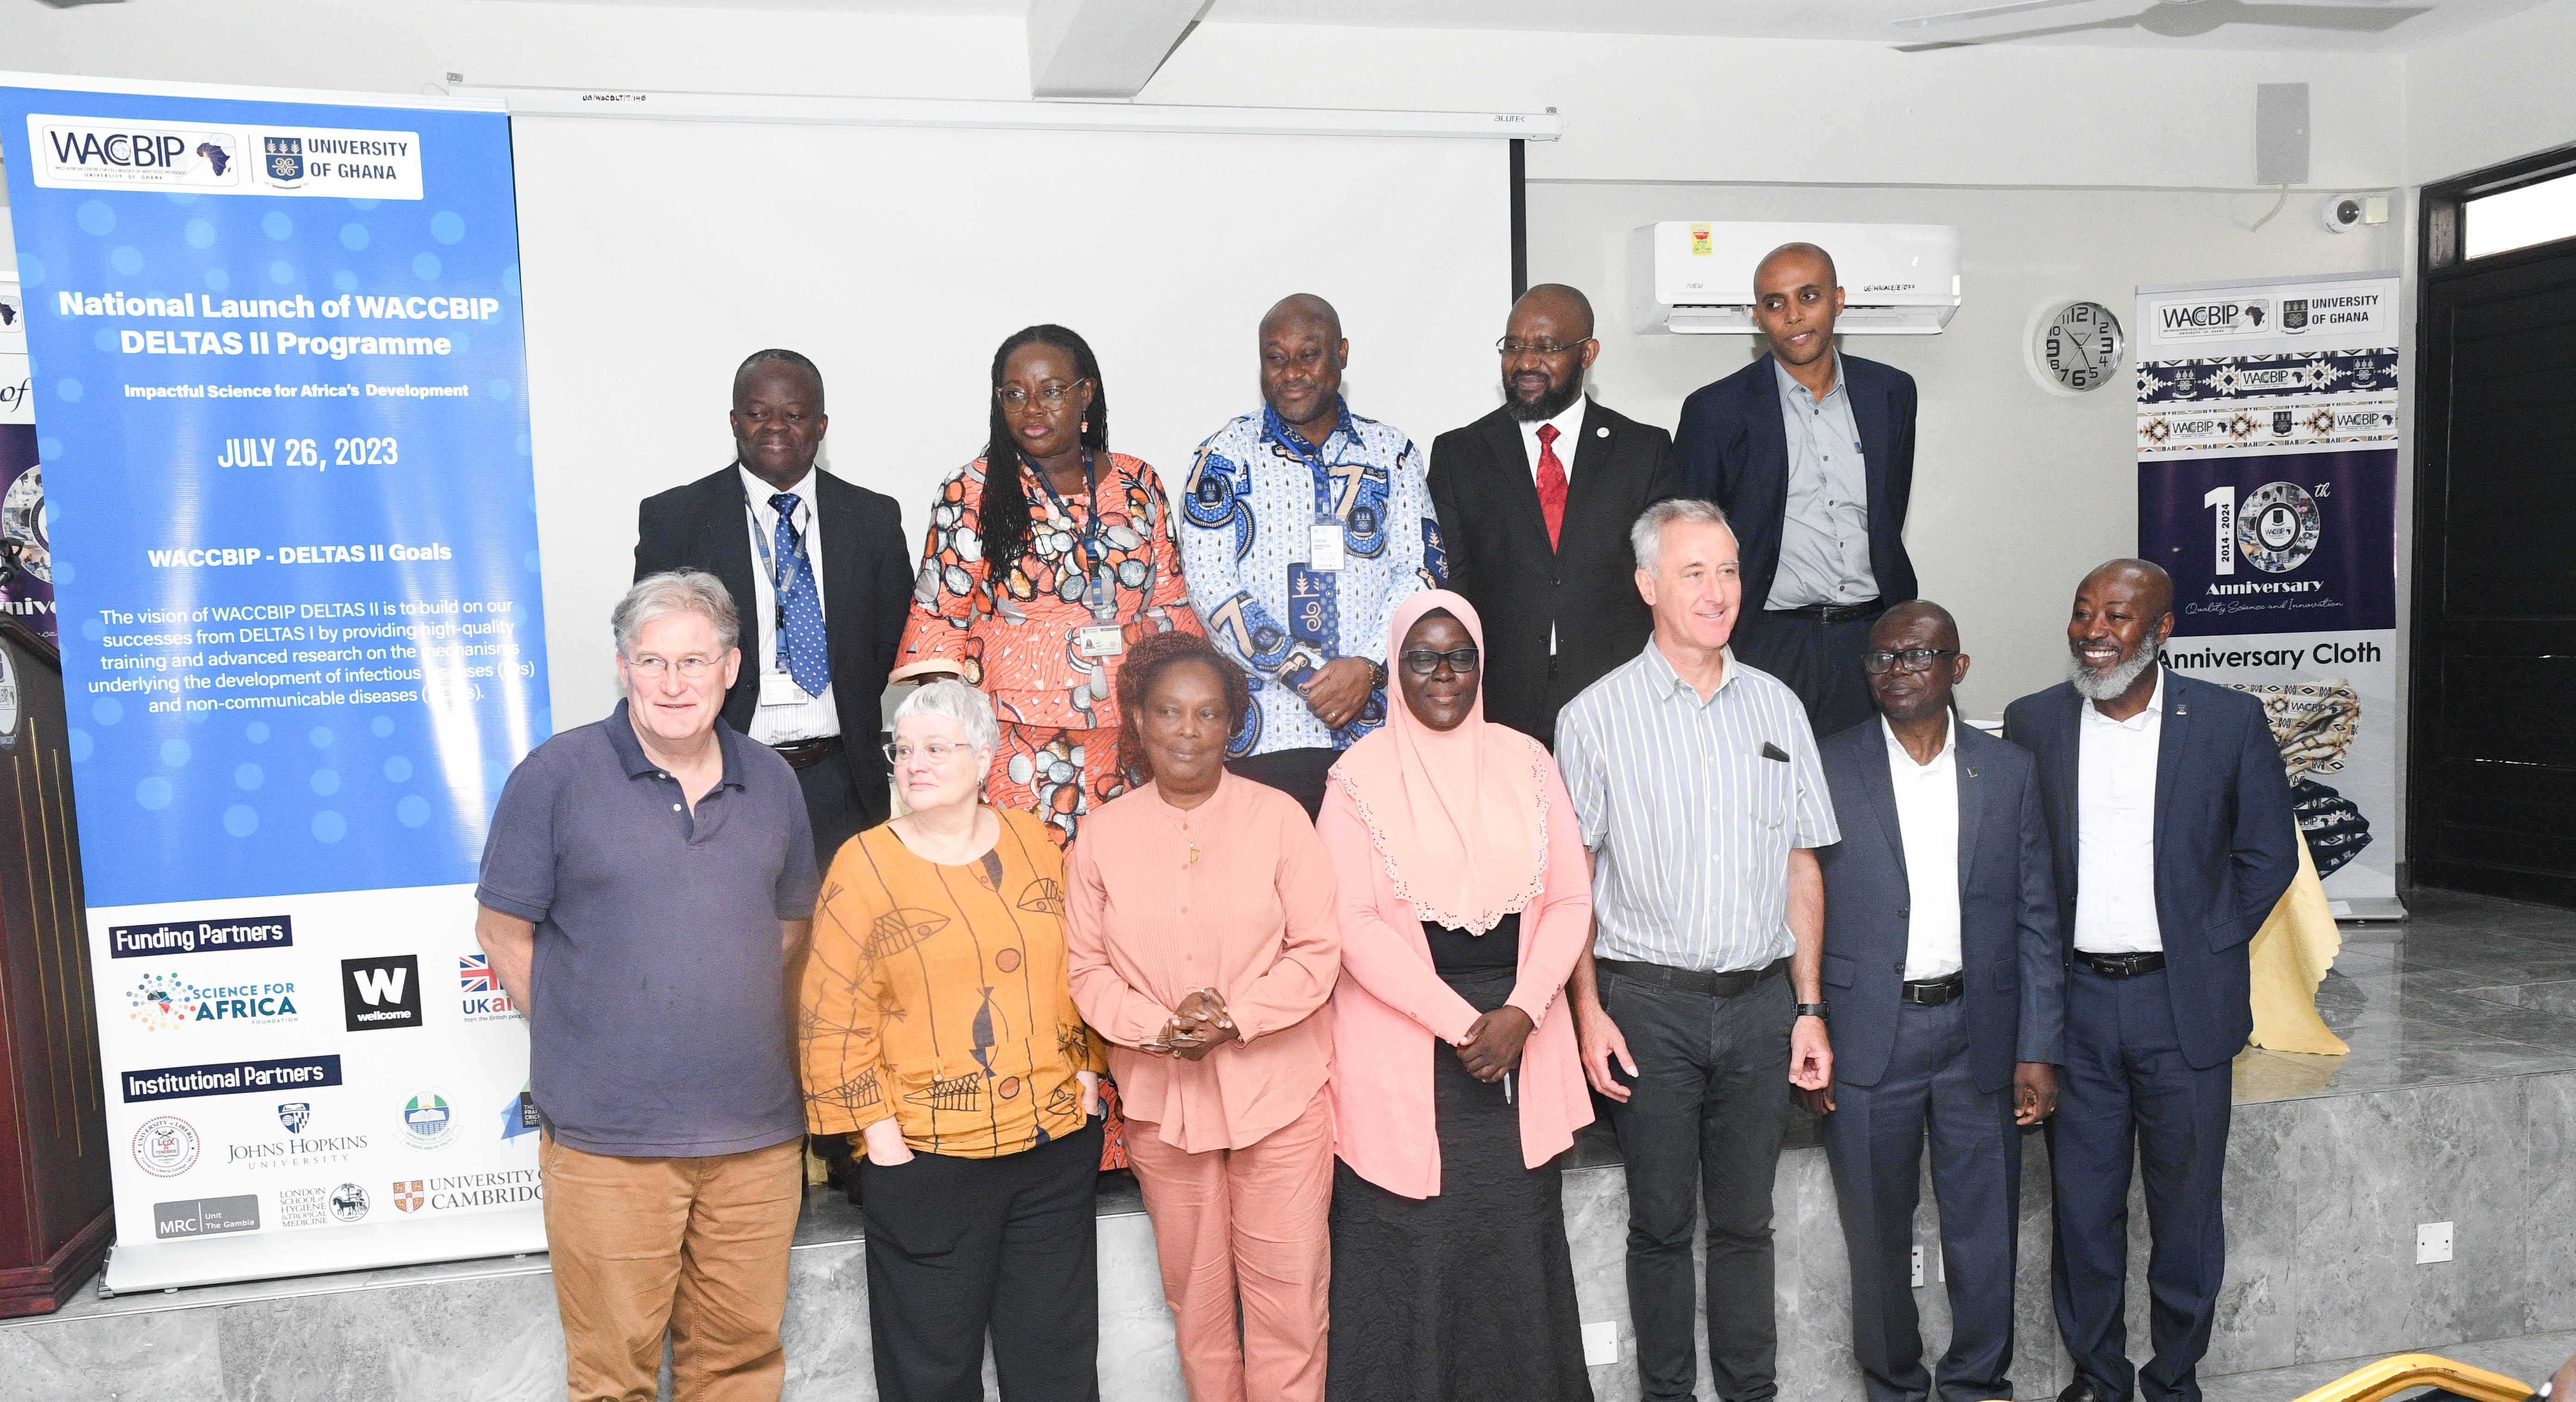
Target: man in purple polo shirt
[[647, 882]]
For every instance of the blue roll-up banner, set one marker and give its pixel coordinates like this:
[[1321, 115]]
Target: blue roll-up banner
[[278, 379], [2267, 486]]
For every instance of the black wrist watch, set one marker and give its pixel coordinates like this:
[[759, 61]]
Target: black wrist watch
[[1377, 676], [1814, 1010]]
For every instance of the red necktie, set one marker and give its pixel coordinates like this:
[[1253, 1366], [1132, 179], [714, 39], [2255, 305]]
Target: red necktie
[[1551, 483]]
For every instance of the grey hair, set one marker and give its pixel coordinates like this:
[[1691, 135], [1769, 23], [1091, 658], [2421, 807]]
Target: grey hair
[[676, 591], [1647, 536], [951, 699]]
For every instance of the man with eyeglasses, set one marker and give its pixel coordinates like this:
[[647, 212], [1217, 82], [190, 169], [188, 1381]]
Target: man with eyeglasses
[[824, 577], [1535, 500], [1301, 528], [647, 882], [1811, 452], [1948, 987]]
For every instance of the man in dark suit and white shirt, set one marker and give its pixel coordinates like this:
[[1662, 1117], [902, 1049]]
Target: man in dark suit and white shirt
[[1811, 452], [820, 573], [1535, 500], [1947, 982], [2170, 819]]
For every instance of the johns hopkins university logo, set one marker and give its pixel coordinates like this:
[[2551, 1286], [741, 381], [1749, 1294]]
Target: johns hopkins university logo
[[295, 1114]]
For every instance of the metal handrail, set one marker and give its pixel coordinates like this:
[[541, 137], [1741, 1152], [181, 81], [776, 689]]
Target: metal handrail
[[2390, 1376]]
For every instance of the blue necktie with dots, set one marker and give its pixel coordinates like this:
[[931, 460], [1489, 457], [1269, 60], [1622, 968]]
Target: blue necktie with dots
[[800, 608]]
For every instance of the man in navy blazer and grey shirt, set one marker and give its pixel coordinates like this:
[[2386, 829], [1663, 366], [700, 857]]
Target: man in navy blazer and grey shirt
[[1946, 980], [1811, 453], [2170, 817]]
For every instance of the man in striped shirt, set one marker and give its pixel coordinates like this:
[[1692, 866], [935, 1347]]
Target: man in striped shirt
[[1702, 800]]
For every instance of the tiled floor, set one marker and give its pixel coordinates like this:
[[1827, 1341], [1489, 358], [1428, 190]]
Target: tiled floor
[[2529, 1361]]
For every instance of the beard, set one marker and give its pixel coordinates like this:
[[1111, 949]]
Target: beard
[[1558, 399], [2111, 681]]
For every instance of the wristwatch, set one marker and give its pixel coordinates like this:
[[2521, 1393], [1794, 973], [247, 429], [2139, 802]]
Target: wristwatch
[[1814, 1010], [1377, 676]]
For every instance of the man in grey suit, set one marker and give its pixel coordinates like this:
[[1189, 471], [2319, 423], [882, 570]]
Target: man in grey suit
[[1946, 978]]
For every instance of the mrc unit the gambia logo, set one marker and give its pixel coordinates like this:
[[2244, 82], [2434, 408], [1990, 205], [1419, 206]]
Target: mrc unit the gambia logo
[[2277, 527], [428, 1123], [165, 1146]]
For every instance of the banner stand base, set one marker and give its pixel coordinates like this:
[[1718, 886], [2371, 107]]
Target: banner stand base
[[133, 1267], [2368, 908]]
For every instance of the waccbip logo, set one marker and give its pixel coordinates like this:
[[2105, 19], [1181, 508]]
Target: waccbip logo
[[77, 151]]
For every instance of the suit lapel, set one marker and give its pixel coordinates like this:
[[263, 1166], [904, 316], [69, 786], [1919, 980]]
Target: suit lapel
[[1589, 466], [729, 556], [1767, 434], [2067, 758], [1514, 481], [1877, 435], [2171, 742], [841, 575], [1877, 780], [1972, 798]]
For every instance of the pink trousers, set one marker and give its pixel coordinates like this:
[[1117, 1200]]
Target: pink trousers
[[1248, 1226]]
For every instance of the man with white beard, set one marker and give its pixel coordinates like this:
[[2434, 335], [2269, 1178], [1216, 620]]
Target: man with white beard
[[2170, 815]]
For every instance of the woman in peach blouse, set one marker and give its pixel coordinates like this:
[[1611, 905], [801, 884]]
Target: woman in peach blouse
[[1038, 577], [1465, 899], [1201, 943]]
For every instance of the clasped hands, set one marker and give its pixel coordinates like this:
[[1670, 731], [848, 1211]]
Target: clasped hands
[[1338, 689], [1491, 1049], [1198, 1026]]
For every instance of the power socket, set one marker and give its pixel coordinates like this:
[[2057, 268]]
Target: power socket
[[1918, 1268], [2432, 1242], [1600, 1343]]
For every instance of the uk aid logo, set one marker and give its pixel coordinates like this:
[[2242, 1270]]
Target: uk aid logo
[[480, 995]]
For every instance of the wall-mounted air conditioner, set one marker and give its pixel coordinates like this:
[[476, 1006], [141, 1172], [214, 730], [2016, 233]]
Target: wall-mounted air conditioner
[[1695, 277]]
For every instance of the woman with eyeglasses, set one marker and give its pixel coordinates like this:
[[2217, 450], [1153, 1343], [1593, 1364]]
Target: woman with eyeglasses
[[1049, 557], [939, 1033], [1465, 899]]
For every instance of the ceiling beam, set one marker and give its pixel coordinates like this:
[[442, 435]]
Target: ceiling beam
[[1102, 48]]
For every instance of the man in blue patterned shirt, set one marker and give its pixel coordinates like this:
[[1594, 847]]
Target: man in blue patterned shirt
[[1301, 529]]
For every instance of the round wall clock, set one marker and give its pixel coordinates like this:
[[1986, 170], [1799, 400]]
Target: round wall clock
[[2079, 346]]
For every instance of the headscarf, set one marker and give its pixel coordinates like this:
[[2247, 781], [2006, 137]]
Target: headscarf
[[1458, 816]]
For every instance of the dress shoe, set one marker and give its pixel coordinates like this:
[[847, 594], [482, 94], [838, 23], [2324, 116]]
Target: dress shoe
[[2082, 1390]]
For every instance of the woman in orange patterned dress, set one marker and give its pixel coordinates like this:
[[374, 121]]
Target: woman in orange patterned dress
[[1037, 579]]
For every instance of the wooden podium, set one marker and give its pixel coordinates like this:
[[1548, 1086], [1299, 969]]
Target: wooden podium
[[56, 1217]]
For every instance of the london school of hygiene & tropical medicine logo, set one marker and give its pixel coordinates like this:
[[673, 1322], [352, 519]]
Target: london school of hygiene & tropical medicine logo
[[160, 1002], [166, 1146], [429, 1122], [320, 1207]]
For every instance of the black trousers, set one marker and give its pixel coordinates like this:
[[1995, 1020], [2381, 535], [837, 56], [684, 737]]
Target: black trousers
[[959, 1246], [1874, 1143], [837, 807], [1820, 661], [2125, 1083], [1300, 774], [1701, 1133]]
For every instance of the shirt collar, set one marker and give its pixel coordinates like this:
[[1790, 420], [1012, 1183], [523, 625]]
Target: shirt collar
[[1896, 747], [1274, 427], [2155, 707], [631, 756], [1666, 682], [759, 492], [1569, 422], [1791, 389]]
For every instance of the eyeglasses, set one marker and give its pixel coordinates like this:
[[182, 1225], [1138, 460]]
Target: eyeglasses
[[1422, 662], [1913, 659], [1052, 396], [937, 751], [651, 668], [1508, 346]]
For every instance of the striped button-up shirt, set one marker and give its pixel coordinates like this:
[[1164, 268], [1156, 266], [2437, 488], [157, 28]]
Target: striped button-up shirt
[[1689, 815]]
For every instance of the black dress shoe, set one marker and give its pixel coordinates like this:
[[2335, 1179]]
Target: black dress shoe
[[2081, 1390]]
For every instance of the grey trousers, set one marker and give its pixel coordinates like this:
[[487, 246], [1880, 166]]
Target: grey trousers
[[1874, 1142]]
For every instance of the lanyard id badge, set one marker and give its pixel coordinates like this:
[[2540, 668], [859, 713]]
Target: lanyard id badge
[[1326, 553], [1103, 637], [777, 686]]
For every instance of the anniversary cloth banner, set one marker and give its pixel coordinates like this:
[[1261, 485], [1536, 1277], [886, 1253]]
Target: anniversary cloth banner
[[277, 373], [2267, 485], [26, 571]]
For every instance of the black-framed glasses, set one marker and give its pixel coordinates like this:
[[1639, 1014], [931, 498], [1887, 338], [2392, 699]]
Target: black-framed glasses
[[1913, 659], [1508, 346], [1422, 662], [1052, 395]]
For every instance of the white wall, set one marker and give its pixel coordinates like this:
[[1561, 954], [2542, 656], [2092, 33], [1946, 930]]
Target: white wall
[[2492, 94], [2017, 490]]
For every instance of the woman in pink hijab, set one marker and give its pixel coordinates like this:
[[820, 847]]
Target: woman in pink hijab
[[1456, 1085]]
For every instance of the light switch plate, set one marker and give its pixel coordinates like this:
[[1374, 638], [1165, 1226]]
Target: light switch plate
[[1918, 1268], [1600, 1343], [2432, 1242]]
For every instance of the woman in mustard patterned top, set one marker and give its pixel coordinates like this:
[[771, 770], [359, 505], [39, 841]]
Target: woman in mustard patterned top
[[1038, 578], [939, 1033]]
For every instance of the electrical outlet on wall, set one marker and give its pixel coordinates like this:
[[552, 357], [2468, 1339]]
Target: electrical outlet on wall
[[2432, 1242], [1600, 1343], [1918, 1268]]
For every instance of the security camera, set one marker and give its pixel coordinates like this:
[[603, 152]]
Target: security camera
[[2341, 214]]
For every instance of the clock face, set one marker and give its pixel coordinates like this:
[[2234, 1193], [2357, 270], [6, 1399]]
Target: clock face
[[2080, 346]]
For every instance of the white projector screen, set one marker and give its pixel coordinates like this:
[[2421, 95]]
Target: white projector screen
[[659, 253]]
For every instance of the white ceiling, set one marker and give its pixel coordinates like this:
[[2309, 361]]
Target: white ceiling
[[2305, 25]]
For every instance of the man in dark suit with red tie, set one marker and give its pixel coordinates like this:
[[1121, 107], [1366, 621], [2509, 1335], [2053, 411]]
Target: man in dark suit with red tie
[[1535, 503]]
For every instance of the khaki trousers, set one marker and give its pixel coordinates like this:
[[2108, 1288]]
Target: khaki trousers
[[694, 1246], [1249, 1225]]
